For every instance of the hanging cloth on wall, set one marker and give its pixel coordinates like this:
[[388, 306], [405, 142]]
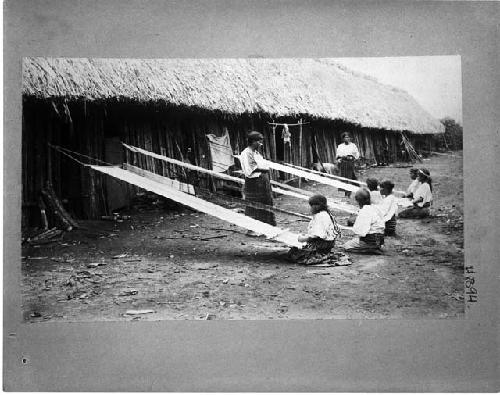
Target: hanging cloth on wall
[[286, 135], [221, 152]]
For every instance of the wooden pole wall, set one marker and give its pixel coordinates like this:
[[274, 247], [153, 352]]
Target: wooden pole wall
[[170, 132]]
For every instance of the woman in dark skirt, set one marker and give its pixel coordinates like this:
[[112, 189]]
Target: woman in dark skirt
[[347, 153], [388, 207], [320, 238], [257, 187], [422, 198]]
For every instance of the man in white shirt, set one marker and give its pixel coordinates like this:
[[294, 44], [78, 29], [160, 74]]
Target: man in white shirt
[[369, 227], [347, 153]]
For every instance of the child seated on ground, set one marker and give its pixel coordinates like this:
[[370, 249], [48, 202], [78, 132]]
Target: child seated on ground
[[369, 227], [320, 238], [375, 198], [388, 207], [422, 198], [414, 184], [372, 185]]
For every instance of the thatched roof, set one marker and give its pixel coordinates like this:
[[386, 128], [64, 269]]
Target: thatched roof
[[317, 88]]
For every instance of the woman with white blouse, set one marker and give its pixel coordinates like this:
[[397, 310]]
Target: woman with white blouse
[[257, 187], [322, 232], [422, 198], [347, 153]]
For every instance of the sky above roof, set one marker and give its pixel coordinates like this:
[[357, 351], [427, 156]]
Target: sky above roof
[[434, 81]]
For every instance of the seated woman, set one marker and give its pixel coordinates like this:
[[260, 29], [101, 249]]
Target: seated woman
[[369, 227], [422, 198], [414, 184], [372, 184], [320, 238], [375, 198], [388, 207]]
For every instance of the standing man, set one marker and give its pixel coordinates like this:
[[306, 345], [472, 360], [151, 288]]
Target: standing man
[[347, 153], [257, 187]]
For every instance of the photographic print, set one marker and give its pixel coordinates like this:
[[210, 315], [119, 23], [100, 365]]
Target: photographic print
[[246, 188]]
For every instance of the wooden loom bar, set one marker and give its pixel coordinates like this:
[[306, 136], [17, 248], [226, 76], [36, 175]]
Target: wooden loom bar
[[284, 187], [305, 195], [312, 176], [360, 183], [327, 175], [273, 232], [189, 188]]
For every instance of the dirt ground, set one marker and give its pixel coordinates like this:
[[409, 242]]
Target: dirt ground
[[178, 264]]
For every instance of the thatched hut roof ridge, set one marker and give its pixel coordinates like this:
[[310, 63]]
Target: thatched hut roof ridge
[[319, 88]]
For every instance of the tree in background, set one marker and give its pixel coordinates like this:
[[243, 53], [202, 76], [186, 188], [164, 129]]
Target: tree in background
[[453, 133]]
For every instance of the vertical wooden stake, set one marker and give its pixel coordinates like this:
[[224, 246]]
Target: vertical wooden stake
[[273, 143], [49, 155], [317, 153], [285, 156], [300, 148]]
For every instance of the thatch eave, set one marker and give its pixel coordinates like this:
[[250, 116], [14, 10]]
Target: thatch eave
[[308, 88]]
